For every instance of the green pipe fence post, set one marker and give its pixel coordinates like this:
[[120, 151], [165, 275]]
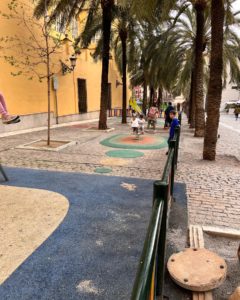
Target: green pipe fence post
[[177, 135], [172, 145], [143, 281], [161, 191], [180, 118]]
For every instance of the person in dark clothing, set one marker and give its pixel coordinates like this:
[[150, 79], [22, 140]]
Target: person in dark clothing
[[167, 115], [174, 123]]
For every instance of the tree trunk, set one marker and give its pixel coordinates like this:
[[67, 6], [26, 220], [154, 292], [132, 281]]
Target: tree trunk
[[107, 6], [192, 112], [48, 77], [151, 97], [215, 83], [160, 96], [199, 48], [123, 37], [145, 87]]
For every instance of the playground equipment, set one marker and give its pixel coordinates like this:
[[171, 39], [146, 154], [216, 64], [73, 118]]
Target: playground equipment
[[134, 105]]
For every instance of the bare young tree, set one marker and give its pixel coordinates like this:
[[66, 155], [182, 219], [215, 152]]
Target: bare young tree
[[32, 51]]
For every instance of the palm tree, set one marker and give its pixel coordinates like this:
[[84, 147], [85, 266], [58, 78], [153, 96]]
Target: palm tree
[[123, 33], [70, 9], [185, 35], [200, 6], [215, 83], [107, 6]]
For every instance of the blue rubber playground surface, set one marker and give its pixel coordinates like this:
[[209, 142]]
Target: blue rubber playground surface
[[94, 253]]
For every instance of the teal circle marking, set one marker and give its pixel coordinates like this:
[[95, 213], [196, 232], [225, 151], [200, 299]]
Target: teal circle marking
[[103, 170], [124, 153], [119, 142]]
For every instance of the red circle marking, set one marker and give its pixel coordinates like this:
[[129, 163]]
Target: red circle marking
[[143, 140]]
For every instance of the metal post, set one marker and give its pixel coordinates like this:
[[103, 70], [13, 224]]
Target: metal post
[[173, 145], [177, 134], [161, 191], [180, 118]]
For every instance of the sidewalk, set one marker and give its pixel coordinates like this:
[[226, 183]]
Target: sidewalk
[[212, 187]]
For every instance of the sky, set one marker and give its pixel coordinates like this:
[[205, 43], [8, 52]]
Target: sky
[[236, 5]]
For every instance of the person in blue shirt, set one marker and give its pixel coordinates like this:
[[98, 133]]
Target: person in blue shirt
[[174, 123], [167, 115]]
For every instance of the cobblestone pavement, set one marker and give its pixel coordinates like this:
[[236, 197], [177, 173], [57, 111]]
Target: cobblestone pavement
[[229, 143], [87, 155], [212, 187]]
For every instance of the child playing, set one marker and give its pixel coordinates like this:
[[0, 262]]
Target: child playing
[[174, 123], [6, 117], [141, 122], [135, 124]]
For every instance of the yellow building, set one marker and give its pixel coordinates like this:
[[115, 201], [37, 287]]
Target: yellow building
[[78, 93]]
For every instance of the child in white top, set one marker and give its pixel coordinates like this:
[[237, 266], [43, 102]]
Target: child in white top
[[141, 122], [135, 124]]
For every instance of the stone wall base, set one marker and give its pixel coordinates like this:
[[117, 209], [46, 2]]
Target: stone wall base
[[40, 120]]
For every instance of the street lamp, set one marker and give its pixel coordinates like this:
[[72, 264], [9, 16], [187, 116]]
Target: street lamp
[[73, 60], [65, 68]]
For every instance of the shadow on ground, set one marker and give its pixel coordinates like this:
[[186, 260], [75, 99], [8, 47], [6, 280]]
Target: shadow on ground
[[95, 251], [177, 240]]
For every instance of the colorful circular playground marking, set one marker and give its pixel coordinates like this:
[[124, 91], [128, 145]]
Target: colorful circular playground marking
[[103, 170], [124, 153], [126, 141]]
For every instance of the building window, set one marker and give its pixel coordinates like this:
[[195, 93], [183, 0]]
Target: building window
[[82, 95]]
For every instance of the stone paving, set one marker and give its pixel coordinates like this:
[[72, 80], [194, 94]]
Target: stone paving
[[87, 155], [212, 187]]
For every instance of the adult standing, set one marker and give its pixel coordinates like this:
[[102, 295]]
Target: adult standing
[[153, 114]]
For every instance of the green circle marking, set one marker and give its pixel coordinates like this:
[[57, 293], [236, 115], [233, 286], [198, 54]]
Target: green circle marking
[[103, 170], [124, 154], [115, 141]]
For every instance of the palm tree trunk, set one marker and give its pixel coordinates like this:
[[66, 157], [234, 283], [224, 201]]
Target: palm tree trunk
[[159, 97], [107, 6], [151, 97], [193, 101], [189, 104], [215, 83], [145, 87], [199, 94], [123, 37]]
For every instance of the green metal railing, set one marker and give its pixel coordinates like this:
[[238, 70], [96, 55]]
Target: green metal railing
[[149, 282]]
